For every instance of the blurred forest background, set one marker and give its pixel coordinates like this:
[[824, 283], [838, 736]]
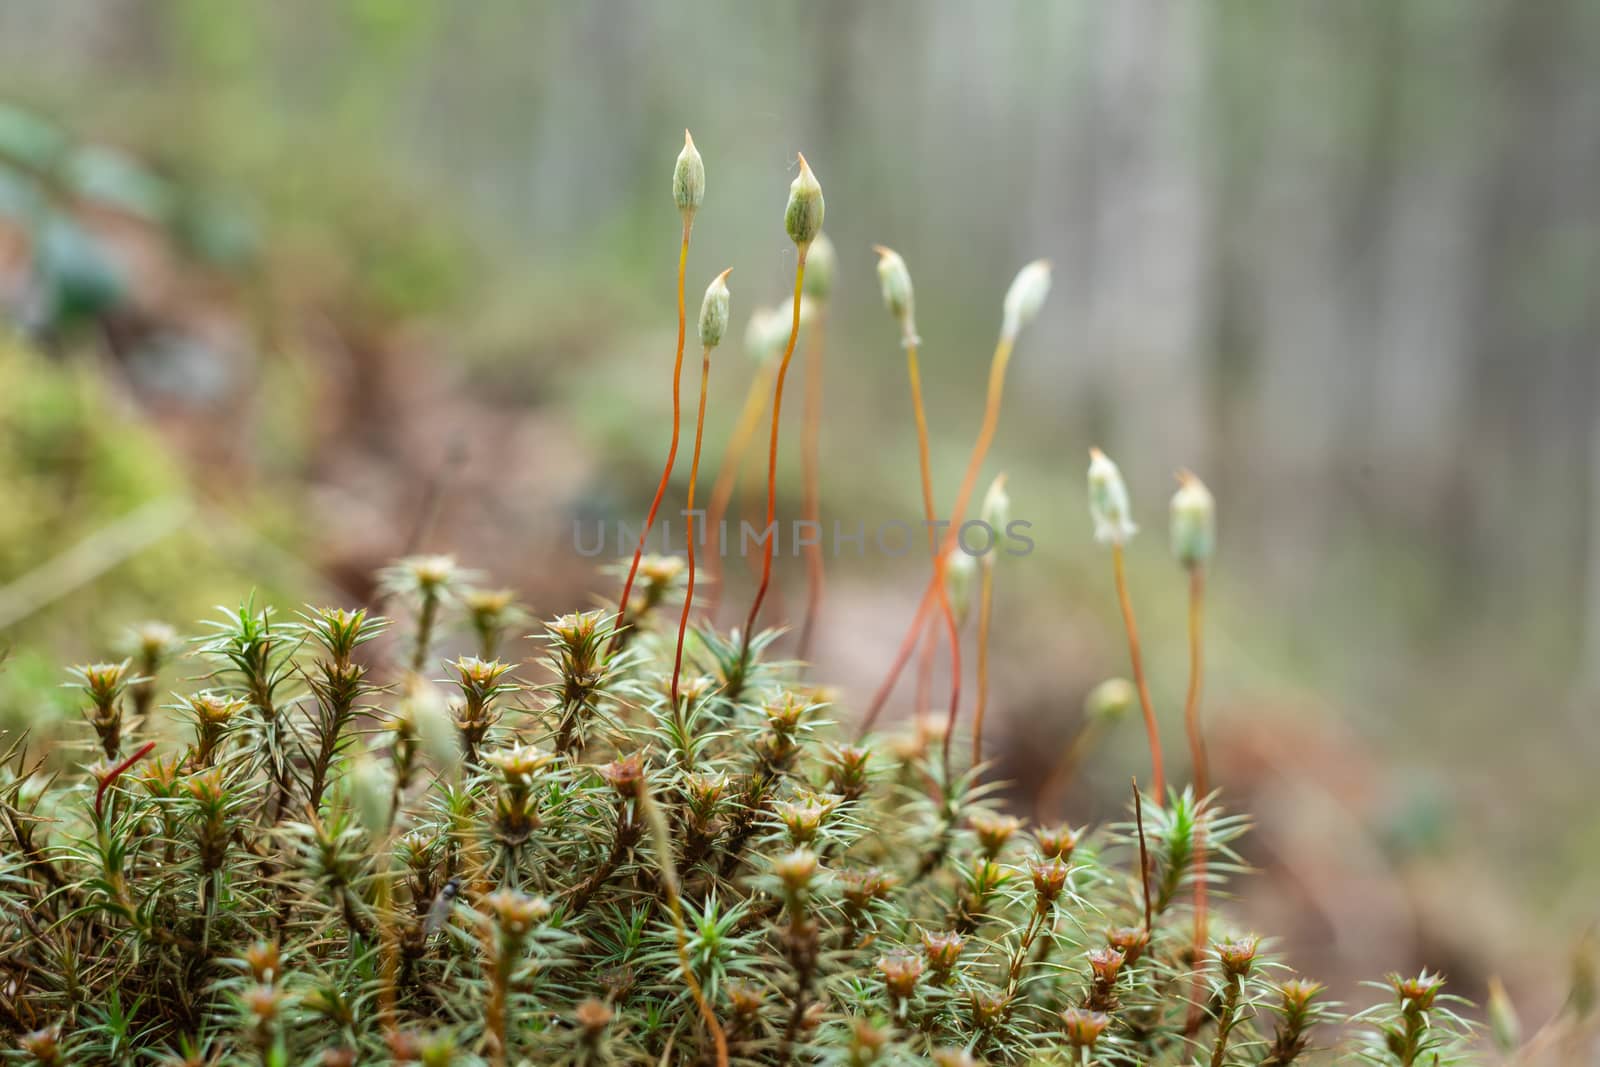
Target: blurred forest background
[[294, 287]]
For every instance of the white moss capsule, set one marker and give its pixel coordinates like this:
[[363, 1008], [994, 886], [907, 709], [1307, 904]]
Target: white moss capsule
[[1025, 297], [1194, 521], [435, 730], [1108, 501], [803, 216], [714, 311], [958, 570], [761, 339], [821, 267], [1110, 700], [370, 792], [895, 280], [996, 510], [689, 178], [1504, 1025]]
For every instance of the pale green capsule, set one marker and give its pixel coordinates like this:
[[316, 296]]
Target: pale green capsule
[[761, 340], [689, 177], [370, 791], [1108, 501], [822, 265], [894, 279], [714, 311], [803, 215], [1194, 521], [433, 726], [1504, 1025], [1025, 297], [959, 568], [996, 510], [1110, 700]]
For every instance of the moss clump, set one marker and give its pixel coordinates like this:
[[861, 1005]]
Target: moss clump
[[333, 845], [314, 855]]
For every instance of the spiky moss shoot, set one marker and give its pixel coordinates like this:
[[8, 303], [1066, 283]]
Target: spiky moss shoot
[[104, 685], [481, 684]]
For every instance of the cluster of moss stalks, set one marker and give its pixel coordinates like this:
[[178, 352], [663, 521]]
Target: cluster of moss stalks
[[312, 854], [307, 839]]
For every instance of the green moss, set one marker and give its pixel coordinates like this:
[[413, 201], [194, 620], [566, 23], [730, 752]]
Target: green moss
[[77, 469]]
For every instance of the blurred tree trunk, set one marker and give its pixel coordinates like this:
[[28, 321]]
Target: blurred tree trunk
[[1149, 297]]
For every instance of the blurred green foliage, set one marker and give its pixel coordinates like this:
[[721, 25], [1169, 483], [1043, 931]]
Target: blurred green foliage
[[73, 462]]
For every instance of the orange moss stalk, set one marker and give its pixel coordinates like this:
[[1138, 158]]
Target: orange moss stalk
[[713, 324], [991, 417], [1114, 526], [985, 615], [1136, 657], [818, 287], [1197, 747], [997, 514], [1191, 703], [1023, 301], [898, 298], [803, 219], [1194, 537], [688, 190], [758, 342]]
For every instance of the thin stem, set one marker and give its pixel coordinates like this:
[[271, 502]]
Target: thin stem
[[801, 940], [1197, 746], [624, 835], [811, 506], [770, 530], [672, 450], [1157, 771], [116, 772], [930, 514], [1191, 705], [755, 405], [495, 1010], [661, 838], [694, 470], [425, 620], [388, 947], [1019, 957], [1061, 774], [752, 486], [980, 449], [985, 611], [1144, 858], [1225, 1020]]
